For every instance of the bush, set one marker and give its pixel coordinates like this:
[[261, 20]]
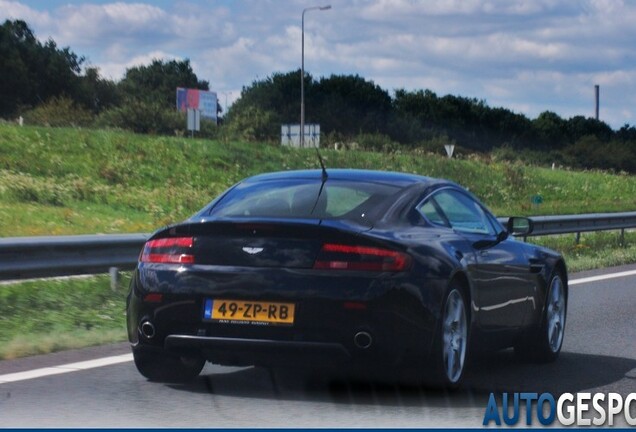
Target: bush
[[528, 156], [59, 112], [210, 130], [436, 145], [376, 142], [590, 152], [407, 129], [144, 117], [253, 124]]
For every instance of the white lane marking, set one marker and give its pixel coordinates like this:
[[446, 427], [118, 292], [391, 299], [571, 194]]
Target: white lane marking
[[602, 277], [69, 367]]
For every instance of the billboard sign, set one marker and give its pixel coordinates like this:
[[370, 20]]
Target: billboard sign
[[204, 101]]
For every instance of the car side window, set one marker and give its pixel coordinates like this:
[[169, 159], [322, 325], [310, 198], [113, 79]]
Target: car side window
[[463, 213], [430, 211], [495, 224]]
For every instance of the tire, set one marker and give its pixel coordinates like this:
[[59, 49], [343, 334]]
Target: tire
[[543, 344], [161, 366], [450, 350]]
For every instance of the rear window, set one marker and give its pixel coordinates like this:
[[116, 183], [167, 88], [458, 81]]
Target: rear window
[[304, 199]]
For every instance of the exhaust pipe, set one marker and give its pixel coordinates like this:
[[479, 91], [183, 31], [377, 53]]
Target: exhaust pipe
[[147, 329], [362, 340]]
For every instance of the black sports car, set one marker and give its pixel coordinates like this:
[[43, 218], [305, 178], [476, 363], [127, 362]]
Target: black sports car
[[343, 268]]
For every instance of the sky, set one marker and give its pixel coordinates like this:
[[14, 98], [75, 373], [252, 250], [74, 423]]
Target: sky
[[528, 56]]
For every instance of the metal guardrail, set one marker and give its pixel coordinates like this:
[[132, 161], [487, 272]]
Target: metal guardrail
[[568, 224], [576, 224], [31, 257]]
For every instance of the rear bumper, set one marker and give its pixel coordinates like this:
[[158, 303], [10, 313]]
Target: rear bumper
[[398, 311], [234, 351]]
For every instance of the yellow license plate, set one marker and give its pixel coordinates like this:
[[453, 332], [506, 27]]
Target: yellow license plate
[[246, 312]]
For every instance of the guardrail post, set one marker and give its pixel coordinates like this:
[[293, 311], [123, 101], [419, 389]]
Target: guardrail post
[[578, 238], [622, 239], [114, 278]]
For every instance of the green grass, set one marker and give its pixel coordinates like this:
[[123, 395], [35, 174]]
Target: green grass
[[44, 316], [83, 181], [594, 250]]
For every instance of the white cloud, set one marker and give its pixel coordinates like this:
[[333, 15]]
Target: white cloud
[[16, 10], [527, 55], [115, 70], [616, 78], [91, 24]]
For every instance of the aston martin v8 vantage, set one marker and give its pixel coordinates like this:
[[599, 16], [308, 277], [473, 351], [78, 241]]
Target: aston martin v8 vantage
[[343, 268]]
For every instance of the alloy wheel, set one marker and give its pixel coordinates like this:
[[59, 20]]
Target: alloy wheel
[[555, 315], [455, 335]]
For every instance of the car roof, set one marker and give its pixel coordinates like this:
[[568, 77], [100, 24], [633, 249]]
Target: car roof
[[401, 179]]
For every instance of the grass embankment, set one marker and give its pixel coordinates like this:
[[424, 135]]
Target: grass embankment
[[76, 181], [51, 315]]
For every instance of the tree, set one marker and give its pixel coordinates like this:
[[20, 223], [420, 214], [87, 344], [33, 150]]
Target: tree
[[349, 104], [469, 122], [551, 130], [144, 100], [33, 72], [278, 95], [579, 127], [158, 82], [97, 93], [346, 104], [627, 133]]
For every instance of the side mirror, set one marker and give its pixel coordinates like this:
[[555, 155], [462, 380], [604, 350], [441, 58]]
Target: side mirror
[[520, 226]]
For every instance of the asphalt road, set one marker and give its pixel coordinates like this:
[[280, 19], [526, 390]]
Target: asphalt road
[[599, 355]]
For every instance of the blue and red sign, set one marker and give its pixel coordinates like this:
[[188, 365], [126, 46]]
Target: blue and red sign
[[204, 101]]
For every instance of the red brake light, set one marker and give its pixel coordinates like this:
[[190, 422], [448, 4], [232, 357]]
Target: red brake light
[[176, 250], [355, 305], [365, 258], [153, 298]]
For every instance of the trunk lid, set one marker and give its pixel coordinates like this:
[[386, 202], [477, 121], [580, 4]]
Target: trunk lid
[[262, 243]]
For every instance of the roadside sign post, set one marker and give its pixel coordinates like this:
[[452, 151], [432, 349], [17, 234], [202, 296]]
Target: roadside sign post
[[290, 135], [193, 121], [450, 148]]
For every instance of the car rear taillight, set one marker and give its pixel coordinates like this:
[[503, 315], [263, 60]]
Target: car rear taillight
[[363, 258], [153, 298], [175, 250]]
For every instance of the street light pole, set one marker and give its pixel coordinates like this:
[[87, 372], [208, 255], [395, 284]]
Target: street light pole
[[302, 72]]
